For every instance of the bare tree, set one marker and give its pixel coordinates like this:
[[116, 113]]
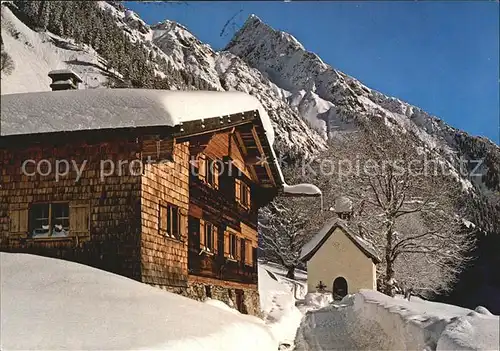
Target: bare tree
[[285, 226], [282, 228], [405, 204]]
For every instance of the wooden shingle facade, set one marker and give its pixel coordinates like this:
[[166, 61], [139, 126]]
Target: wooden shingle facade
[[171, 206]]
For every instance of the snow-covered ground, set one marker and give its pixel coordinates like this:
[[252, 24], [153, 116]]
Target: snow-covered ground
[[53, 304], [278, 296], [370, 320]]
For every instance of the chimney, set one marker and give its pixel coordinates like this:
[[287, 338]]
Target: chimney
[[64, 79]]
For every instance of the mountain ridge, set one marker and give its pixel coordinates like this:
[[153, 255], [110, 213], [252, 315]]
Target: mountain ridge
[[394, 104], [307, 99]]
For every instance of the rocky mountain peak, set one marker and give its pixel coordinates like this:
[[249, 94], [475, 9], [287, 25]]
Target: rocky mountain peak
[[254, 28]]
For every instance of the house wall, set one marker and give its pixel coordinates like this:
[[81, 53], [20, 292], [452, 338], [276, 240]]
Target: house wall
[[123, 213], [221, 208], [111, 241], [224, 144], [168, 262], [164, 259], [340, 257]]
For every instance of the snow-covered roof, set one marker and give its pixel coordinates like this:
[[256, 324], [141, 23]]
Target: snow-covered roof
[[322, 236], [302, 189], [62, 82], [71, 110], [343, 204]]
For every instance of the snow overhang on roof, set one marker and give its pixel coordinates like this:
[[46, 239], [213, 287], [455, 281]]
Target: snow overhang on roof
[[65, 72], [96, 109], [89, 109], [302, 189]]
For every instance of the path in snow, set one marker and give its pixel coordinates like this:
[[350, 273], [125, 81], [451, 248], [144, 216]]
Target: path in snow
[[327, 329]]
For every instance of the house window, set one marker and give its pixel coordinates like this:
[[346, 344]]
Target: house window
[[245, 195], [209, 236], [208, 171], [232, 245], [170, 221], [242, 193], [49, 220]]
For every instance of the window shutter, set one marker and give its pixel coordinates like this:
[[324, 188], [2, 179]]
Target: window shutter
[[202, 164], [202, 232], [226, 243], [237, 183], [162, 220], [216, 170], [247, 194], [18, 215], [249, 254], [181, 224], [214, 239], [79, 219]]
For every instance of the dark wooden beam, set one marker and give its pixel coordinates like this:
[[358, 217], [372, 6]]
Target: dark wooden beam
[[189, 129]]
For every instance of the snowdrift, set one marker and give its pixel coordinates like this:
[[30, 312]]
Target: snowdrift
[[53, 304], [419, 324]]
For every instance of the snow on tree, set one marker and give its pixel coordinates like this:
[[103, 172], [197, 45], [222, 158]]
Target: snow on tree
[[284, 226], [282, 232]]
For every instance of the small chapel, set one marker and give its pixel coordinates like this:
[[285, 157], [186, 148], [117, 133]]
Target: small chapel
[[339, 260]]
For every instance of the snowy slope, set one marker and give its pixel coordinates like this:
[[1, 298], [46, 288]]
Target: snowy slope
[[277, 300], [53, 304], [185, 52], [422, 323], [35, 54]]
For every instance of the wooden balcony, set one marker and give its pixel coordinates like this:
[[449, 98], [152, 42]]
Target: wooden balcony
[[220, 203], [219, 267]]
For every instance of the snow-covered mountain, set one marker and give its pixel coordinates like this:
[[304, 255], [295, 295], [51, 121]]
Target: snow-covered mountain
[[306, 98], [331, 100], [225, 71]]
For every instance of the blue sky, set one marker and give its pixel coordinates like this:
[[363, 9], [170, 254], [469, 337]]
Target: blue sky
[[440, 56]]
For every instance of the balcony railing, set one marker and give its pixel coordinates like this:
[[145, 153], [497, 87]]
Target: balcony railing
[[219, 267]]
